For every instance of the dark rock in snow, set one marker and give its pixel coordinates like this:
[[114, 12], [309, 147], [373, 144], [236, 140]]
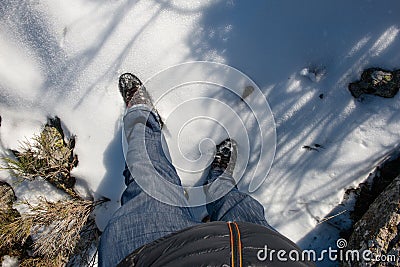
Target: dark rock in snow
[[379, 230], [247, 91], [7, 196], [376, 81]]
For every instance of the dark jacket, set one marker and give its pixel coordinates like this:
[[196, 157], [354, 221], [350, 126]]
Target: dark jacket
[[218, 244]]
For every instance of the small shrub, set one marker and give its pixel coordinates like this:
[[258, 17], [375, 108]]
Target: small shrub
[[63, 222], [47, 155], [56, 228], [59, 232]]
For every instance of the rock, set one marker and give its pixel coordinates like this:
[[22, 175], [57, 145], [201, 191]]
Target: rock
[[376, 81], [8, 215], [247, 91], [7, 196], [310, 74], [378, 230]]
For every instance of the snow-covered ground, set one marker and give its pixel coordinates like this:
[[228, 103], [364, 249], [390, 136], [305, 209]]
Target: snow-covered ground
[[64, 58]]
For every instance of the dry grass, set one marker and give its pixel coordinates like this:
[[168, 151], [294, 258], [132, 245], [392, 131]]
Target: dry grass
[[8, 216], [63, 222], [41, 262], [46, 155], [56, 232], [16, 231], [56, 227], [86, 248]]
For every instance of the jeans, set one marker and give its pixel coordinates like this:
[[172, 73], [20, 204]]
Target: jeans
[[142, 218]]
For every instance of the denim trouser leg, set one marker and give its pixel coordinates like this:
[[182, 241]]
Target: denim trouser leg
[[235, 205], [142, 218]]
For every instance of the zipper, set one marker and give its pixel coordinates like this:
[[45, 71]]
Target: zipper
[[236, 245]]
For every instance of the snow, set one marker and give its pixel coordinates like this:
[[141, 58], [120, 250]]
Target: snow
[[59, 58], [9, 261]]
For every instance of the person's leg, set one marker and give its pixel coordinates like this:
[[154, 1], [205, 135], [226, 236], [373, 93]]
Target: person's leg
[[236, 206], [227, 202], [142, 218]]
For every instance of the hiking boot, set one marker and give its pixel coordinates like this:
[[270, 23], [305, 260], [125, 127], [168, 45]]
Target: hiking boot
[[132, 90], [134, 93], [225, 157]]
